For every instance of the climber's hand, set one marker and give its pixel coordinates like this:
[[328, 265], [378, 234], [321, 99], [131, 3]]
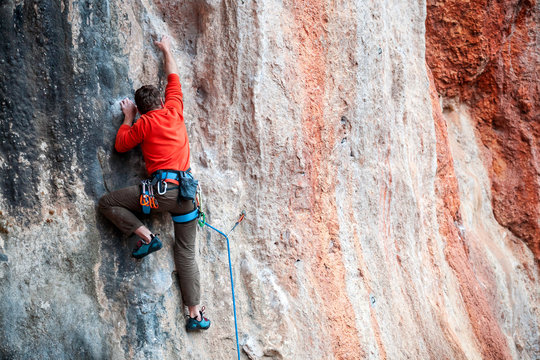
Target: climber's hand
[[129, 109], [165, 44], [169, 65]]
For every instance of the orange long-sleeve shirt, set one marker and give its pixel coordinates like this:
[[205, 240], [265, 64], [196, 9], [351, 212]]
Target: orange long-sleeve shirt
[[161, 133]]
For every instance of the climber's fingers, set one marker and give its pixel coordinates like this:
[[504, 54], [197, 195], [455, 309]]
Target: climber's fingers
[[164, 44], [126, 103], [128, 107]]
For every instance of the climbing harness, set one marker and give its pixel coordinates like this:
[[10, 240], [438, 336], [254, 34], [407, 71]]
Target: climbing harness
[[185, 218], [186, 183], [202, 222], [192, 215]]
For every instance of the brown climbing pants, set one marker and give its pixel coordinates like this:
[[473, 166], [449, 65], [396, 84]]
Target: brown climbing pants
[[118, 206]]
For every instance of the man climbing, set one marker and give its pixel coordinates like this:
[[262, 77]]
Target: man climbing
[[161, 131]]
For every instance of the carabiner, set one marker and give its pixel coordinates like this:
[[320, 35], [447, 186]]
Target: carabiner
[[202, 219], [242, 215], [159, 184], [153, 202], [145, 200]]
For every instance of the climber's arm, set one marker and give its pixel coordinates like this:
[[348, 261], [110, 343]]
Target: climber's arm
[[169, 64], [173, 91], [130, 111], [128, 136]]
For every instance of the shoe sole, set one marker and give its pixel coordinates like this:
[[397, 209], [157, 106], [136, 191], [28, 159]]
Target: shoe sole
[[188, 329]]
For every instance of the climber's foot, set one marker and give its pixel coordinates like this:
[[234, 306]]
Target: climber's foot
[[144, 249], [194, 324]]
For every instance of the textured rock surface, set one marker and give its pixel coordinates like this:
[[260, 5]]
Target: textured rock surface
[[485, 54], [371, 229]]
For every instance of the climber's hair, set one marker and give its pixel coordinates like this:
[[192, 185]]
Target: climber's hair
[[147, 98]]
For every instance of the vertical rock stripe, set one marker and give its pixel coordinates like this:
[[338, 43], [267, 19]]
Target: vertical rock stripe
[[327, 266]]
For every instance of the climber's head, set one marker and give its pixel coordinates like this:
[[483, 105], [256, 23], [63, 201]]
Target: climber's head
[[147, 98]]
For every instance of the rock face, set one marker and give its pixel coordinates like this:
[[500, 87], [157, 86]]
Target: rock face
[[380, 223], [486, 55]]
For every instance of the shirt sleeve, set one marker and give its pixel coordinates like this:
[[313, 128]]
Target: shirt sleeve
[[173, 93], [129, 136]]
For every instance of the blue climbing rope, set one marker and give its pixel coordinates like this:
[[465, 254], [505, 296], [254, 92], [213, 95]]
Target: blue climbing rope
[[202, 223]]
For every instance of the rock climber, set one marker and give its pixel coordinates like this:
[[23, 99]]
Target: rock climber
[[161, 131]]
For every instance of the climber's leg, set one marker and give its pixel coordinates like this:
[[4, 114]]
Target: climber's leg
[[118, 206]]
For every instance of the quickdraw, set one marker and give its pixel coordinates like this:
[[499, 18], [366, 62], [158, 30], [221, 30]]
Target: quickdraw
[[202, 216], [153, 200], [147, 200]]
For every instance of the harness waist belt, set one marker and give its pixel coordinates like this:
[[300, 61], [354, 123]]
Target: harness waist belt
[[172, 181], [179, 219], [163, 175]]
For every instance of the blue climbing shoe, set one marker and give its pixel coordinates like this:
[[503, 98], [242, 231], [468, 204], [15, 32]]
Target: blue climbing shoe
[[144, 249], [193, 324]]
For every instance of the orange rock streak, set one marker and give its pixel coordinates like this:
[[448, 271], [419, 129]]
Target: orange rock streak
[[485, 326], [324, 250]]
